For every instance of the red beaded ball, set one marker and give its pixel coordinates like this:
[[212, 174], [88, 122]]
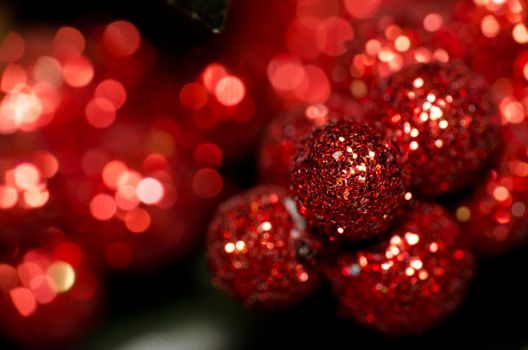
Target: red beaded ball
[[347, 180], [443, 116], [259, 251], [281, 138], [410, 281]]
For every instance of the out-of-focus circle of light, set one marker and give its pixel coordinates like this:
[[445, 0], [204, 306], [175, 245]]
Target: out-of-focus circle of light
[[77, 71], [230, 91], [121, 38], [207, 183], [212, 75], [14, 77], [12, 48], [432, 22], [46, 162], [23, 300], [113, 91], [100, 113], [193, 96], [150, 191], [62, 275], [286, 73], [137, 220], [26, 176], [362, 9], [8, 197], [112, 171], [317, 87], [68, 252], [103, 207], [332, 35], [68, 42]]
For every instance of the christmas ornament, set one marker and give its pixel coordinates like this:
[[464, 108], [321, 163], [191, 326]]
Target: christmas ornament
[[347, 180], [495, 216], [281, 138], [410, 281], [259, 250], [444, 118]]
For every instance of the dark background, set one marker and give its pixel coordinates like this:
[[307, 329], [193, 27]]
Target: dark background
[[176, 308]]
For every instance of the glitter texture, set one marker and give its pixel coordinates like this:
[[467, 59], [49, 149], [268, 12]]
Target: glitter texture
[[259, 251], [444, 117], [281, 138], [347, 180], [409, 282]]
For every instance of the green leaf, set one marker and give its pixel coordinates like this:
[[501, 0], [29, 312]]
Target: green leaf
[[212, 12]]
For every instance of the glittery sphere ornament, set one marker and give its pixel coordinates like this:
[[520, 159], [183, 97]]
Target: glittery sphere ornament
[[347, 180], [443, 116], [412, 280], [259, 251], [281, 138]]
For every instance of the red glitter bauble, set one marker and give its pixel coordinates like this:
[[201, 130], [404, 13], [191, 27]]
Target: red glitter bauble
[[495, 216], [412, 280], [347, 180], [259, 251], [281, 138], [444, 117]]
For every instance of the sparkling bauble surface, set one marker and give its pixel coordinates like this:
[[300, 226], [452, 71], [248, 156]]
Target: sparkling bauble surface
[[410, 281], [347, 180], [259, 251], [443, 116], [281, 138]]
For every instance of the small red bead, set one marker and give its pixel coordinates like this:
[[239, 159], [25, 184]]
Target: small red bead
[[259, 251]]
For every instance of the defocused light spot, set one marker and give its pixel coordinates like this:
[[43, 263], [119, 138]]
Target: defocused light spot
[[62, 275], [150, 190], [332, 35], [121, 38], [112, 171], [8, 277], [48, 69], [23, 300], [14, 77], [77, 71], [501, 193], [13, 47], [490, 26], [68, 252], [230, 91], [26, 176], [8, 197], [43, 289], [208, 154], [119, 255], [113, 91], [316, 88], [46, 163], [68, 42], [27, 272], [358, 88], [463, 214], [512, 111], [126, 198], [19, 109], [207, 183], [137, 220], [229, 248], [193, 96], [402, 43], [36, 198], [362, 9], [212, 75], [432, 22], [520, 33], [525, 71], [286, 73], [100, 113], [103, 207]]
